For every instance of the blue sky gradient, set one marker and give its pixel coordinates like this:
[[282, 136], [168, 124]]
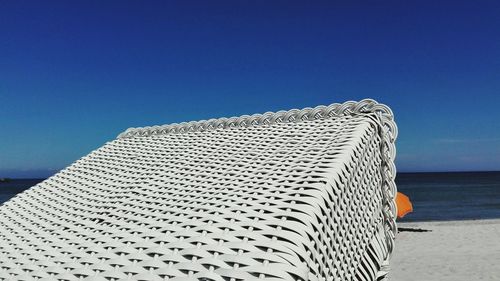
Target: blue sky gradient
[[74, 74]]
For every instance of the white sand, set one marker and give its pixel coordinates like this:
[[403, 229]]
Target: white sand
[[455, 250]]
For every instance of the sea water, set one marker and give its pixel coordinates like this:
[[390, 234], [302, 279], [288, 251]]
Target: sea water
[[435, 196], [451, 196], [10, 188]]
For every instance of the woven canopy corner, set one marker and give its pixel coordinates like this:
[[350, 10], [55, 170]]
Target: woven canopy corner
[[291, 195]]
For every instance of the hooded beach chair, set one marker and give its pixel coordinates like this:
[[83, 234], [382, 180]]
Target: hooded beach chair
[[293, 195]]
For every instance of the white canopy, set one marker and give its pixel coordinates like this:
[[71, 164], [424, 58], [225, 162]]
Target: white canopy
[[293, 195]]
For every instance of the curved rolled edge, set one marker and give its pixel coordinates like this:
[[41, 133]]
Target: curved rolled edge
[[293, 115], [388, 133], [383, 116]]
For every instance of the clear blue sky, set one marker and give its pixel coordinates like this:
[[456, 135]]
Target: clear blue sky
[[74, 74]]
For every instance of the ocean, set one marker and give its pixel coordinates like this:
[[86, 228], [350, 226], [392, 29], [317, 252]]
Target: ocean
[[451, 196], [435, 196]]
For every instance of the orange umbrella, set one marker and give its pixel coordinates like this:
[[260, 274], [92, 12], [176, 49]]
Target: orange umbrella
[[403, 204]]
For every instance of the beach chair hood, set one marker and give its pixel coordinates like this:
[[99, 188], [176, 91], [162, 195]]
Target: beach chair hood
[[292, 195]]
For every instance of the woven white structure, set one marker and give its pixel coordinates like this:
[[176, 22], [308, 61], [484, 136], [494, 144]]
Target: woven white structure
[[293, 195]]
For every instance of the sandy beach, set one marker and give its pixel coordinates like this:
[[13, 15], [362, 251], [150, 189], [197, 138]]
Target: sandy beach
[[454, 250]]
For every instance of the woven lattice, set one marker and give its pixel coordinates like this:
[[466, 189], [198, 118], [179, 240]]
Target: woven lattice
[[293, 195]]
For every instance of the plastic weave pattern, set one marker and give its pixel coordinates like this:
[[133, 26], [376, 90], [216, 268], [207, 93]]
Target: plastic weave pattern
[[293, 195]]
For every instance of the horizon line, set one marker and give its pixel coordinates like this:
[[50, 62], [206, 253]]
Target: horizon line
[[404, 172]]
